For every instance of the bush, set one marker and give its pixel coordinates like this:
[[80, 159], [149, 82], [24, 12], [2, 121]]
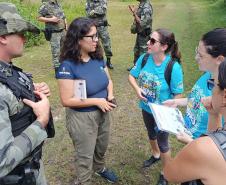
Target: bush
[[29, 10]]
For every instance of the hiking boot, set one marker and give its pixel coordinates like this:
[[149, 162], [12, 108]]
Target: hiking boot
[[162, 180], [150, 162], [108, 175], [109, 64], [56, 70]]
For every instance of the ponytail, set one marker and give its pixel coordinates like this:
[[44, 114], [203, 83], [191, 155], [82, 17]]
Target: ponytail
[[167, 37], [175, 53]]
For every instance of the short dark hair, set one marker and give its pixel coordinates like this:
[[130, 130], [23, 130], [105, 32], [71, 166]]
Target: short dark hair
[[215, 42], [168, 37], [77, 30]]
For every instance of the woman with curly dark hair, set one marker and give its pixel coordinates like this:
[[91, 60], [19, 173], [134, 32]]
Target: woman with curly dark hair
[[87, 119]]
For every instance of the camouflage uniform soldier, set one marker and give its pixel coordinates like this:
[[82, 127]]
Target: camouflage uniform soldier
[[97, 10], [22, 121], [52, 14], [142, 26]]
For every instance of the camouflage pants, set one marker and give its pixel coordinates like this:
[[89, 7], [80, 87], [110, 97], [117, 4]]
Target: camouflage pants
[[140, 45], [89, 132], [105, 40], [55, 43], [40, 175]]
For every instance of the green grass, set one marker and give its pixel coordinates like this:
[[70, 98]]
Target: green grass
[[71, 10], [128, 147]]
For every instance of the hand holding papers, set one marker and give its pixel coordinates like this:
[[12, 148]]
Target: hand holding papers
[[168, 119]]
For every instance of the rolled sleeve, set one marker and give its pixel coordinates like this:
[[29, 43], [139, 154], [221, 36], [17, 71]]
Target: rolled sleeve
[[146, 18], [65, 71], [176, 84], [43, 11], [135, 71]]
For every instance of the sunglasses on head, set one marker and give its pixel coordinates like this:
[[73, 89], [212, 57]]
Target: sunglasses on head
[[211, 84], [153, 41]]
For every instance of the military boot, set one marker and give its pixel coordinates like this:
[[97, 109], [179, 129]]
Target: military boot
[[56, 69], [109, 64]]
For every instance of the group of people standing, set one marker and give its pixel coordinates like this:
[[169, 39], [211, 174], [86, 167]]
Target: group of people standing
[[24, 123], [150, 83], [52, 14]]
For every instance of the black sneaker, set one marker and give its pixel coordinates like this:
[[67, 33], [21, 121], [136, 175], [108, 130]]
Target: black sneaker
[[108, 175], [162, 180], [150, 162]]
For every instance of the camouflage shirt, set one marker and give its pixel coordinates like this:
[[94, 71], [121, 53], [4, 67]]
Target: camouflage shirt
[[96, 9], [52, 8], [144, 12], [14, 149]]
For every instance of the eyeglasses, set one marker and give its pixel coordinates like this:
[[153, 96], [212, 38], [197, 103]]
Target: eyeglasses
[[153, 41], [94, 36]]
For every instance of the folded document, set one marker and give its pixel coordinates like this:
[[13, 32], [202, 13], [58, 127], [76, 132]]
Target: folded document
[[168, 119]]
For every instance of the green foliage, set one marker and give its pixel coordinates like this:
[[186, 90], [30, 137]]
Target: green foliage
[[74, 9], [29, 10]]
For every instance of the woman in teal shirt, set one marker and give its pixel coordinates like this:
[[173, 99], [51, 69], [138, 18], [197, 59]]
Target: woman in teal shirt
[[209, 54], [152, 87]]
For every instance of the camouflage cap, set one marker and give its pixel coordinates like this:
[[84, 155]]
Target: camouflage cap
[[12, 22]]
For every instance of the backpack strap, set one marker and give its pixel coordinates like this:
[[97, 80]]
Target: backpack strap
[[144, 60], [219, 138], [168, 71]]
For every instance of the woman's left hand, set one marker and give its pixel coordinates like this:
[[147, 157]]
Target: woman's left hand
[[112, 100], [43, 88]]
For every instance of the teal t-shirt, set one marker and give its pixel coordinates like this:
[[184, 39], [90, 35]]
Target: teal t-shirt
[[151, 79], [196, 116]]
